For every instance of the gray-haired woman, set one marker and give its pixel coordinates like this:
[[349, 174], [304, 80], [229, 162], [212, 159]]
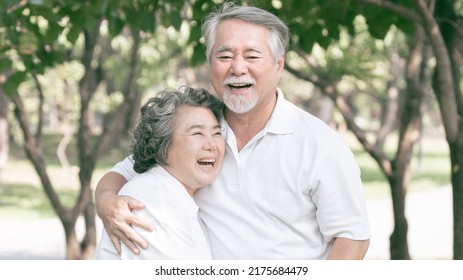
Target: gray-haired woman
[[178, 147]]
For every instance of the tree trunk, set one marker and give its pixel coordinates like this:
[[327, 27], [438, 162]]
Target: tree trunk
[[72, 244], [81, 250], [448, 50], [456, 155], [398, 245], [89, 241], [68, 217], [455, 45], [4, 141]]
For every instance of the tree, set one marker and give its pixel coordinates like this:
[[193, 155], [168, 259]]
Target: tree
[[441, 22], [444, 29], [441, 27], [42, 34], [4, 133]]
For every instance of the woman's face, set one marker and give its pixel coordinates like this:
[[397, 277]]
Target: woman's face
[[197, 148]]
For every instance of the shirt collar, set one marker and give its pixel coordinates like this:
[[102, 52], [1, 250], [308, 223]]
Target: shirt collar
[[282, 119]]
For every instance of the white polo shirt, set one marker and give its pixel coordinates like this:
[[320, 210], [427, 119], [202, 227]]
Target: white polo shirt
[[179, 232], [292, 189]]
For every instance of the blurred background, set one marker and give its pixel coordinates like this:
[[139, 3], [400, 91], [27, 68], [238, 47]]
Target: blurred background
[[385, 75]]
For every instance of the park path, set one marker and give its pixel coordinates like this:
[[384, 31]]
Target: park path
[[429, 215]]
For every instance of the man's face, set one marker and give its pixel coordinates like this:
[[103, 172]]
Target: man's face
[[243, 71]]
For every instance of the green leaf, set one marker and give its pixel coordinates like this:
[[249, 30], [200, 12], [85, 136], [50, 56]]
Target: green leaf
[[198, 55], [28, 43], [147, 22], [165, 19], [305, 42], [195, 33], [74, 33], [5, 64], [53, 32], [50, 57], [176, 20], [407, 26], [115, 26], [11, 85], [378, 28]]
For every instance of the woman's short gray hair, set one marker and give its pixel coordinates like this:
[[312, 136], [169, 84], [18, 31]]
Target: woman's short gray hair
[[278, 41], [152, 136]]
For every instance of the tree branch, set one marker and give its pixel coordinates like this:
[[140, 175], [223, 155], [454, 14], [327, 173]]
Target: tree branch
[[34, 154], [398, 9], [446, 97]]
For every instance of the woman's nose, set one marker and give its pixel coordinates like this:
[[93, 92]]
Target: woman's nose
[[208, 144]]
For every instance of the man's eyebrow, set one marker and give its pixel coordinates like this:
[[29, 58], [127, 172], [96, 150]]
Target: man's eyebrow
[[228, 49], [223, 49], [253, 50]]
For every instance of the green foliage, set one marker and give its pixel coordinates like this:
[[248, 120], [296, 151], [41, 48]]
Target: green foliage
[[13, 83], [44, 33]]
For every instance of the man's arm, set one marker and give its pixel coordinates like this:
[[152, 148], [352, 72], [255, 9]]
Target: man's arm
[[116, 213], [348, 249]]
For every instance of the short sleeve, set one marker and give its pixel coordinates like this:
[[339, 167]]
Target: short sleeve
[[125, 168]]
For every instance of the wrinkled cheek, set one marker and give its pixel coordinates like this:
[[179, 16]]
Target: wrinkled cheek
[[218, 88]]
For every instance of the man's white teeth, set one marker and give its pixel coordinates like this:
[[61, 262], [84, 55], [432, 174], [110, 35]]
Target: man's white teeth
[[240, 85]]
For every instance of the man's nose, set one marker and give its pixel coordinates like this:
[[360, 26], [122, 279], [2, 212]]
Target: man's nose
[[238, 66]]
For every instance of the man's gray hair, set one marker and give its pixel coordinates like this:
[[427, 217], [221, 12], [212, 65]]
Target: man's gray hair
[[152, 136], [278, 41]]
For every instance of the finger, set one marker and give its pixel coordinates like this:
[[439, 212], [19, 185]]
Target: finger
[[135, 204], [116, 243], [135, 239], [131, 246], [142, 222], [122, 237]]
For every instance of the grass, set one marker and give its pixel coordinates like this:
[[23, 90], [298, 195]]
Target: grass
[[21, 192], [24, 198]]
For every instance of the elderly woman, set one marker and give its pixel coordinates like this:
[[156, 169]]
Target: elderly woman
[[178, 147]]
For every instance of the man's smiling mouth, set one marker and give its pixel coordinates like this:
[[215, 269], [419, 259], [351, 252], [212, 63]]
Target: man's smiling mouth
[[239, 85]]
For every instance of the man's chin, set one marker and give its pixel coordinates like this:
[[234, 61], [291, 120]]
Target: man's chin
[[239, 104]]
